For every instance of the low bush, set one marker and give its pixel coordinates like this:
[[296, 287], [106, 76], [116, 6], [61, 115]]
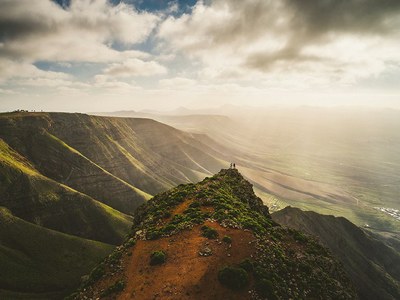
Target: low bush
[[157, 258], [114, 257], [96, 273], [247, 265], [227, 239], [299, 236], [194, 204], [233, 277], [130, 243], [167, 214], [209, 232], [118, 286], [153, 234], [264, 288], [169, 228]]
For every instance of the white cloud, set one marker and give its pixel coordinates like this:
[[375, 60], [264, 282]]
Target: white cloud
[[221, 51], [42, 30], [12, 69], [303, 43], [134, 67]]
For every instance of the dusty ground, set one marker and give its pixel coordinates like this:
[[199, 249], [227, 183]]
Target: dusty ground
[[186, 274]]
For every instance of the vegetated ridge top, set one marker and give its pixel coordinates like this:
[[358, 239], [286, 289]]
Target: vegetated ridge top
[[213, 240]]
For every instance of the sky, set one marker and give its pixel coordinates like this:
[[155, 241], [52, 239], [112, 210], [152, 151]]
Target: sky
[[98, 55]]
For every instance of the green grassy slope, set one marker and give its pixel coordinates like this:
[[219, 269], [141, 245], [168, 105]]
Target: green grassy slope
[[109, 158], [37, 199], [38, 262], [147, 154], [55, 159], [373, 266]]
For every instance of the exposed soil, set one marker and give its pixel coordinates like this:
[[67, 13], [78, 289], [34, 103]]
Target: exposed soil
[[182, 207], [186, 274]]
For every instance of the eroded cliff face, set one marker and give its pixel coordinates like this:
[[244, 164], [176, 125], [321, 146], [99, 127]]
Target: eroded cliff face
[[215, 240]]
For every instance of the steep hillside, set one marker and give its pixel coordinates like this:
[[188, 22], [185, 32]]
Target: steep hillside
[[42, 201], [215, 240], [373, 266], [39, 263], [117, 161], [82, 176], [30, 135]]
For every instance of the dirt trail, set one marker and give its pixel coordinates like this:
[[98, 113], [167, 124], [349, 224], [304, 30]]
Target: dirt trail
[[186, 274]]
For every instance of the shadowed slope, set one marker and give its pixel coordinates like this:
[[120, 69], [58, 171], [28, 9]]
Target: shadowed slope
[[114, 160], [37, 199], [46, 266], [373, 266]]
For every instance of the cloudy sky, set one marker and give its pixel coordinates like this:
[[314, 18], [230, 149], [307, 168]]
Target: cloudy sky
[[98, 55]]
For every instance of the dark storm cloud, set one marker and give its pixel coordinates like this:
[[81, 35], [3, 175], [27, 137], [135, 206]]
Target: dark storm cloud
[[311, 22], [34, 21], [362, 16]]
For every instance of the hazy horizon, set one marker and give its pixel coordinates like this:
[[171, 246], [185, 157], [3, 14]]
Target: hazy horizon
[[86, 56]]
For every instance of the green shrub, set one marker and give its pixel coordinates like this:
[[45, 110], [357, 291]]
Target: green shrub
[[118, 286], [209, 232], [115, 257], [157, 258], [264, 288], [194, 204], [261, 273], [169, 228], [130, 243], [167, 215], [247, 265], [96, 274], [207, 202], [299, 236], [153, 234], [233, 277], [227, 239]]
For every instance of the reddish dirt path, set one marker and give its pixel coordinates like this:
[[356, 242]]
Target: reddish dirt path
[[185, 275]]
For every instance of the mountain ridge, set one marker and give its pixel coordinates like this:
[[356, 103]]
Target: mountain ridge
[[83, 177], [219, 232]]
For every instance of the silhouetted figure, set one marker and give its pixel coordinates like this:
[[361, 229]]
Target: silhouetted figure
[[234, 165]]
